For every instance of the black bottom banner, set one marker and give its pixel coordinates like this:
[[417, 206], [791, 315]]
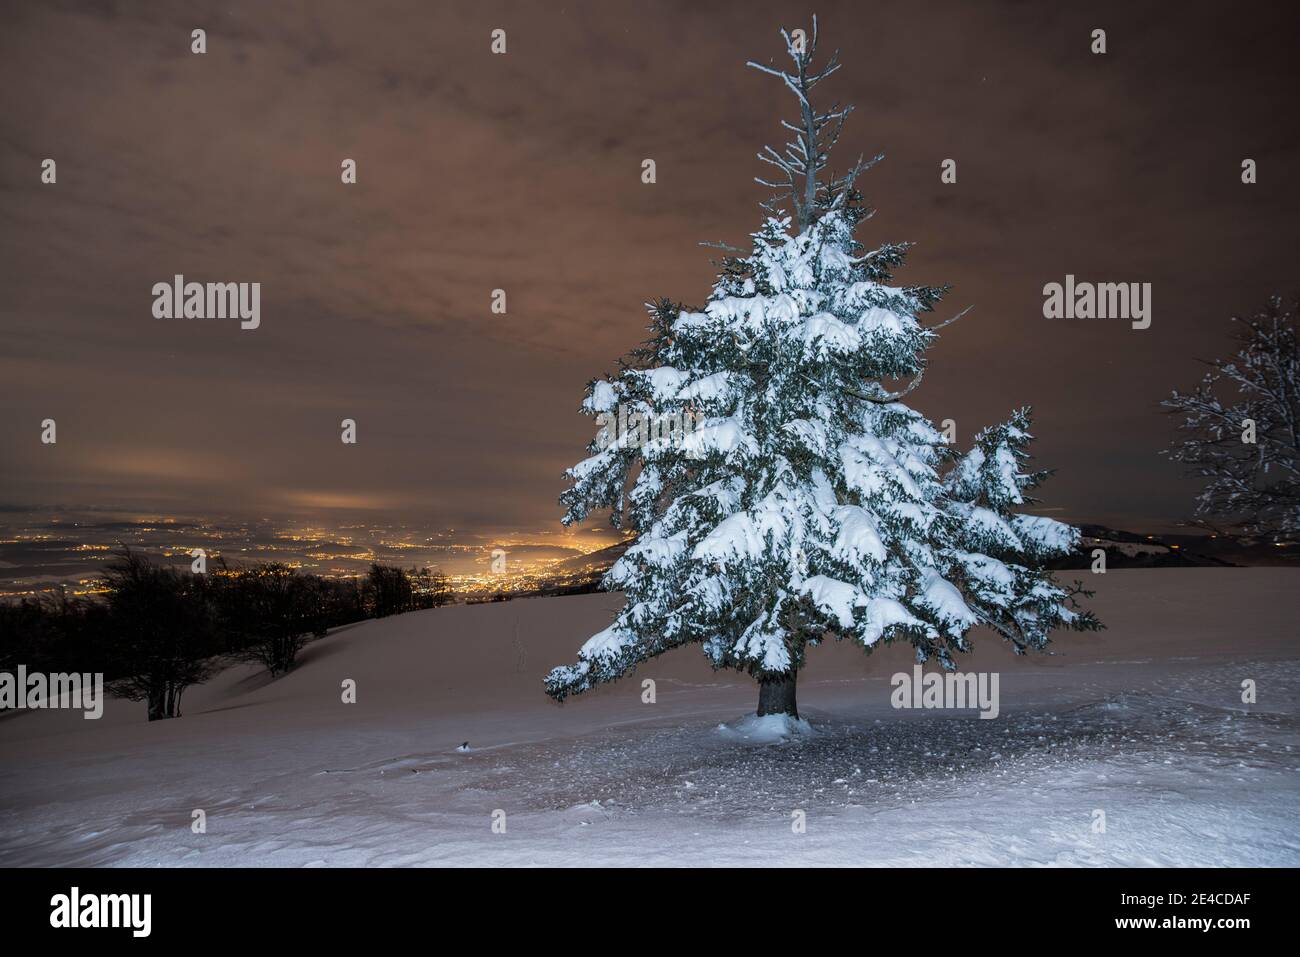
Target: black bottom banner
[[331, 907]]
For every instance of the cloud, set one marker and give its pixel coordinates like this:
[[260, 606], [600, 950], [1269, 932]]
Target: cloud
[[521, 172]]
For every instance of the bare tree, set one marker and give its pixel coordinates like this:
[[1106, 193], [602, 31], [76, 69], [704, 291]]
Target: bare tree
[[430, 588], [160, 633], [390, 590], [1241, 430], [815, 134], [272, 613]]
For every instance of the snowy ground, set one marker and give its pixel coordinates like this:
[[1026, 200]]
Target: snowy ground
[[1143, 722]]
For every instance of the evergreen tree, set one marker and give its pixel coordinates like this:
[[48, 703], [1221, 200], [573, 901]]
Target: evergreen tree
[[807, 501]]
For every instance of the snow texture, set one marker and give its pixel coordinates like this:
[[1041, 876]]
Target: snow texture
[[1144, 721]]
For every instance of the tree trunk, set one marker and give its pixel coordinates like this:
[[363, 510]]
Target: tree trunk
[[157, 703], [776, 695]]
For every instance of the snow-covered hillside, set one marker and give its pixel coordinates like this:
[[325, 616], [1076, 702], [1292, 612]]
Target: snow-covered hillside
[[1143, 722]]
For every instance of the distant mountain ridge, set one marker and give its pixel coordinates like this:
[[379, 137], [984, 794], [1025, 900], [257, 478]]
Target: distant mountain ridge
[[1124, 549], [1135, 550]]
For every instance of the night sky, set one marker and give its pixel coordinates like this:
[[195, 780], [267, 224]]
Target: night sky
[[522, 172]]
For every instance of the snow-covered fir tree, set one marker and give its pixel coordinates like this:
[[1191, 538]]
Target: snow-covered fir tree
[[807, 501], [1241, 428]]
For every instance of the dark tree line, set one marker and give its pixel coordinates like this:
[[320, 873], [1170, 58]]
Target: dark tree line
[[158, 629]]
